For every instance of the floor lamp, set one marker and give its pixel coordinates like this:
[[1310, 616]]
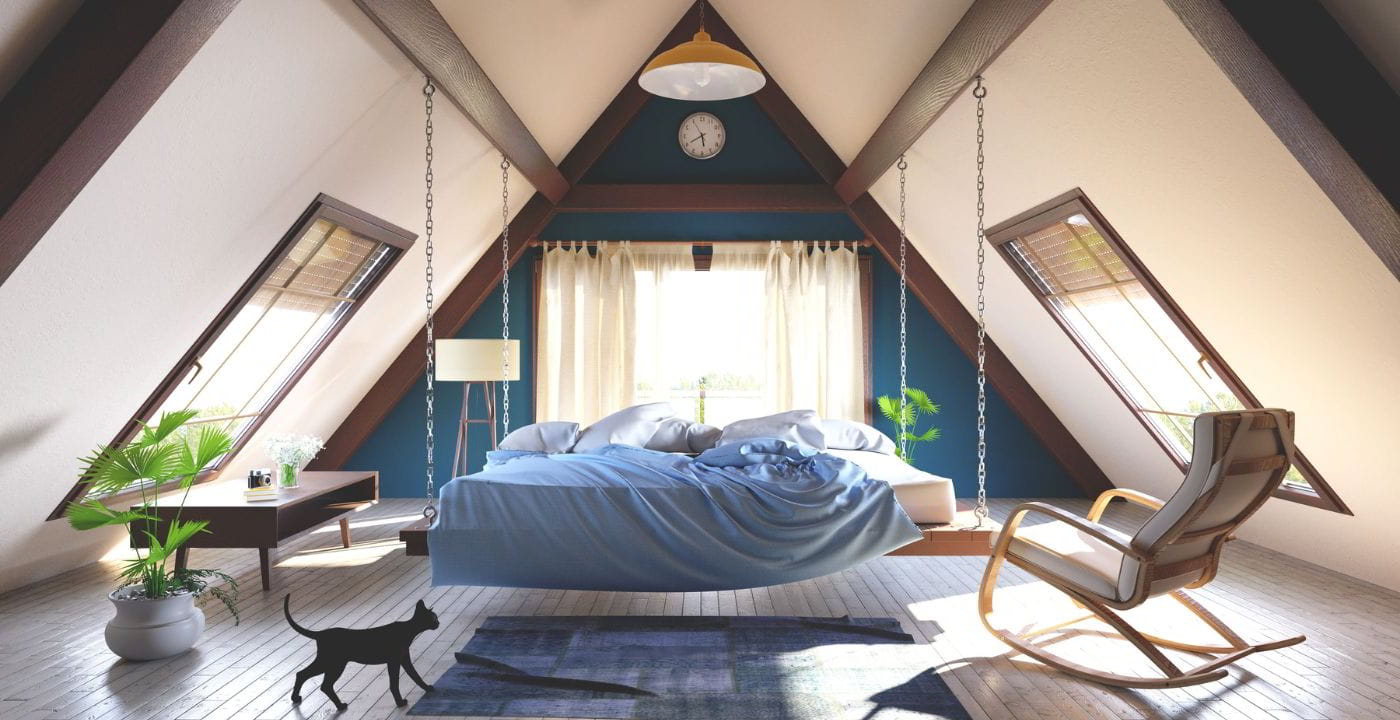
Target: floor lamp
[[474, 362]]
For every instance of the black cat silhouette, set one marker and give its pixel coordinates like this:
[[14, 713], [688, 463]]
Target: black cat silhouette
[[382, 645]]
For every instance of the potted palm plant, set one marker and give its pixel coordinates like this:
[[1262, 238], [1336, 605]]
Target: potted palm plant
[[910, 408], [156, 612]]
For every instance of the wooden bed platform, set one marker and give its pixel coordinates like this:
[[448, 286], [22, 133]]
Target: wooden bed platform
[[960, 537]]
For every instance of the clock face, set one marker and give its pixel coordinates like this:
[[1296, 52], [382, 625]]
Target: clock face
[[701, 136]]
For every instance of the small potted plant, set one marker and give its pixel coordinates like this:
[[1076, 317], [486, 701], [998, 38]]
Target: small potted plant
[[911, 407], [291, 453], [156, 612]]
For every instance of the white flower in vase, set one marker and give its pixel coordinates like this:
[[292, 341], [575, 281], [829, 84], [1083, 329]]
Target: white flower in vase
[[291, 453]]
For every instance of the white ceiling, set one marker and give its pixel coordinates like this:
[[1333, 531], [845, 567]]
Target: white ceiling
[[843, 63], [26, 26]]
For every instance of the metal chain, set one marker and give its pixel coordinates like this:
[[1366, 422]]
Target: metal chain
[[429, 510], [980, 511], [702, 15], [903, 313], [505, 296]]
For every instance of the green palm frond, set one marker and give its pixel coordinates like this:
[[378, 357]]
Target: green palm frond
[[200, 449], [915, 402], [93, 514], [114, 469], [165, 427], [921, 400], [889, 408], [930, 434]]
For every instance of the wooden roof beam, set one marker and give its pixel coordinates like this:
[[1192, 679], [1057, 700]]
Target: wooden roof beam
[[420, 31], [80, 99], [984, 31]]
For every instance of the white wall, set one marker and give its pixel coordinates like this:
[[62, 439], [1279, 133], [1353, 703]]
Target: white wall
[[1119, 100], [284, 101]]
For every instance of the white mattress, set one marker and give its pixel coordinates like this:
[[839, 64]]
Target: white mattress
[[926, 497]]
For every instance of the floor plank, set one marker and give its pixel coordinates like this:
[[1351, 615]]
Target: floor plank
[[54, 662]]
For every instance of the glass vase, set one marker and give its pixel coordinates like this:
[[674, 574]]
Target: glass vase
[[289, 475]]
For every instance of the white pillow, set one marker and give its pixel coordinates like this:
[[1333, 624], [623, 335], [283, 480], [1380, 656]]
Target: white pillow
[[852, 435], [701, 437], [671, 436], [545, 437], [632, 426], [799, 426]]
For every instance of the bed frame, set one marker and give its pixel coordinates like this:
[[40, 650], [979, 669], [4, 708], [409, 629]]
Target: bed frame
[[960, 537]]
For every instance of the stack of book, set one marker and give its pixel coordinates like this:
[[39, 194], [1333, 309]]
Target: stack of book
[[259, 494]]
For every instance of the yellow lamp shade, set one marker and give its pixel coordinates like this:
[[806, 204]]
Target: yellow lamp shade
[[475, 360], [702, 69]]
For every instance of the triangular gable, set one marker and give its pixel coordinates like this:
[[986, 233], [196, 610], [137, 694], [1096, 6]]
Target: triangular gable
[[598, 157]]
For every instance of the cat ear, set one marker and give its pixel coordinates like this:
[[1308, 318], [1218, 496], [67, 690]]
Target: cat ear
[[421, 606]]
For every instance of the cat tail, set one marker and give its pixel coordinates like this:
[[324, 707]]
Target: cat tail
[[287, 610]]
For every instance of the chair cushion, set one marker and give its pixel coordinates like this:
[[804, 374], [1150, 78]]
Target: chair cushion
[[1069, 553]]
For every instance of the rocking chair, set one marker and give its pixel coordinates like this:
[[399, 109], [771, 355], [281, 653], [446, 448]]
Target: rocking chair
[[1239, 459]]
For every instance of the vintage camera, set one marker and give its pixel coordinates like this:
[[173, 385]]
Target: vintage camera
[[259, 479]]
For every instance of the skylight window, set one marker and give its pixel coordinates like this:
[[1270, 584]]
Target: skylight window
[[280, 321], [1133, 333]]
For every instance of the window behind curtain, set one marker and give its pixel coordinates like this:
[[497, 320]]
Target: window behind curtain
[[723, 355], [1127, 326], [279, 322]]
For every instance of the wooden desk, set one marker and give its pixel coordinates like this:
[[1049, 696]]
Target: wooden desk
[[237, 523]]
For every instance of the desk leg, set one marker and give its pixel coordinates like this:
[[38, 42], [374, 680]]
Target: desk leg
[[345, 532], [182, 557], [266, 568]]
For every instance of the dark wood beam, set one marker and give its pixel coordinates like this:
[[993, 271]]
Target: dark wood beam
[[780, 108], [420, 31], [986, 29], [1322, 99], [448, 318], [962, 328], [624, 106], [468, 295], [701, 198], [924, 282], [79, 100]]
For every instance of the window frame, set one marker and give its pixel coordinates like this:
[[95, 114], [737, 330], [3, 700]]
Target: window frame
[[1075, 202], [324, 207], [702, 264]]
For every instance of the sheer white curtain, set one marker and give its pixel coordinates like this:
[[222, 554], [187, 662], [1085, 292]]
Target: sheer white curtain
[[665, 317], [814, 326], [587, 332]]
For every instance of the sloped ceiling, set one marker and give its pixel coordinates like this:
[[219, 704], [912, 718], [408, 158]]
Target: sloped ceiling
[[843, 63], [26, 26]]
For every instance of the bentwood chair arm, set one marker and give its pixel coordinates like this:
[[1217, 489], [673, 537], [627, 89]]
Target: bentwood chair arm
[[1107, 496], [1088, 527]]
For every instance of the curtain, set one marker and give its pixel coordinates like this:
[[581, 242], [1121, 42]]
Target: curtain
[[665, 319], [813, 322], [587, 332]]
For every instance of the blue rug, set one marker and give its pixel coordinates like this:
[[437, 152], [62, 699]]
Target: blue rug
[[692, 668]]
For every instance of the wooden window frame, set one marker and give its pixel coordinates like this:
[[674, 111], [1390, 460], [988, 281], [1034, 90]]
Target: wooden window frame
[[324, 207], [702, 264], [1075, 202]]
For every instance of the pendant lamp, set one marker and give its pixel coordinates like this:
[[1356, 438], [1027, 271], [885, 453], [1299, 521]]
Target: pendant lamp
[[702, 69]]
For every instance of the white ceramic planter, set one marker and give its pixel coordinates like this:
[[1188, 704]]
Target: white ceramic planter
[[152, 629]]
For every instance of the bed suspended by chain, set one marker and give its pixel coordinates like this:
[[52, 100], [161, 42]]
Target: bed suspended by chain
[[750, 514]]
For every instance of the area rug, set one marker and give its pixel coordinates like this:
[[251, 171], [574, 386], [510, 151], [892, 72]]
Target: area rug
[[692, 668]]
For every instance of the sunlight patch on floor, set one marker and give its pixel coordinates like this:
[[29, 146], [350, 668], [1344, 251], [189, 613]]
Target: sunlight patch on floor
[[353, 556], [396, 520]]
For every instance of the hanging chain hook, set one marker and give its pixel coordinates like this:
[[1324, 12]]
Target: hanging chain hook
[[979, 92], [505, 296], [903, 165], [429, 510]]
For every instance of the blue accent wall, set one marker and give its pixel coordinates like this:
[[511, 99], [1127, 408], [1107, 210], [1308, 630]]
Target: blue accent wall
[[755, 151], [646, 152], [396, 449], [1017, 464], [715, 227]]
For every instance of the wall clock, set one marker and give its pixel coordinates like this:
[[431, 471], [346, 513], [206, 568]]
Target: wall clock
[[701, 135]]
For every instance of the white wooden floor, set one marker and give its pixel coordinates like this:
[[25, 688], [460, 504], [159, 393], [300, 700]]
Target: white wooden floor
[[53, 663]]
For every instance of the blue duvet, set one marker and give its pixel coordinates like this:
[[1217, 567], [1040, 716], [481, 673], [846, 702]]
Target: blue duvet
[[740, 515]]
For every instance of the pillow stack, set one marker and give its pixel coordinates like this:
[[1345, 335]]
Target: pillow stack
[[655, 426]]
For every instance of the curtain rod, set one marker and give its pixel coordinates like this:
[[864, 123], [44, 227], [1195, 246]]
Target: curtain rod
[[864, 242]]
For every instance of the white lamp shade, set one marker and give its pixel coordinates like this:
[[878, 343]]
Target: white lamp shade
[[474, 360]]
